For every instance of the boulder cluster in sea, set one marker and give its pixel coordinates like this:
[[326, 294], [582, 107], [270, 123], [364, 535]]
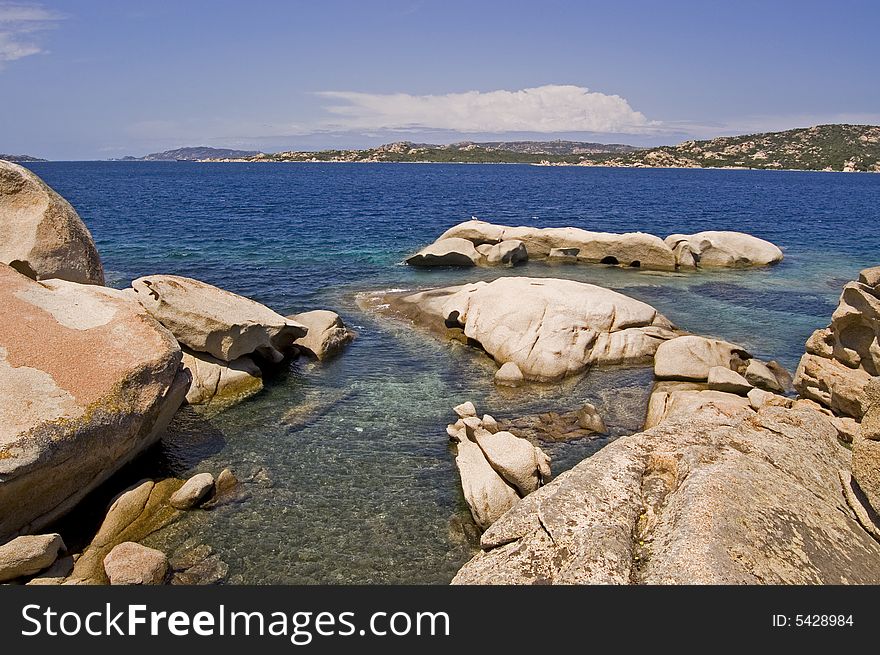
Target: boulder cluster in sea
[[733, 480], [478, 243], [496, 467], [91, 376]]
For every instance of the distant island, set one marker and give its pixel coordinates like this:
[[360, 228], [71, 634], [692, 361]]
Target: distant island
[[20, 158], [846, 148], [197, 153]]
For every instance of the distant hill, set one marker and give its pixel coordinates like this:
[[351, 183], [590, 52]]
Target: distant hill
[[514, 152], [551, 147], [21, 158], [819, 148], [198, 153]]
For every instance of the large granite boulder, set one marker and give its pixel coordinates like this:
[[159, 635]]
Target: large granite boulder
[[723, 249], [216, 384], [208, 319], [88, 381], [446, 252], [41, 235], [327, 335], [705, 499], [549, 328], [842, 358]]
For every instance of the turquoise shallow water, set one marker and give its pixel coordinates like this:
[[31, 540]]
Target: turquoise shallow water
[[364, 489]]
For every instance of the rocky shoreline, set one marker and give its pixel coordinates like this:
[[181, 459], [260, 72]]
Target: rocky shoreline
[[742, 473], [91, 377]]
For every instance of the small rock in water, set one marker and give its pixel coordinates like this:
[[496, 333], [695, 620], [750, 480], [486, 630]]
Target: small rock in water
[[193, 492], [225, 481], [588, 418], [509, 375], [133, 564]]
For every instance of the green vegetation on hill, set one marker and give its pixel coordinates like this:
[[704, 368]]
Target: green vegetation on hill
[[513, 152], [819, 148]]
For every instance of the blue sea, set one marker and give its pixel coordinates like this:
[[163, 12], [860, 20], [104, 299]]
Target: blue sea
[[355, 479]]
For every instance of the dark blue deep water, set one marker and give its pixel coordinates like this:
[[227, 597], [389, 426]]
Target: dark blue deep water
[[359, 483]]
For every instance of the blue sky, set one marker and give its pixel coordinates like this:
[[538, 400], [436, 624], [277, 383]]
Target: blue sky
[[94, 79]]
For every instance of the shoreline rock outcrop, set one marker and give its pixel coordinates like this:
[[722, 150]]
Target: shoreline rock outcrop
[[208, 319], [479, 243], [549, 328], [41, 235], [841, 360], [752, 498], [89, 381], [694, 373]]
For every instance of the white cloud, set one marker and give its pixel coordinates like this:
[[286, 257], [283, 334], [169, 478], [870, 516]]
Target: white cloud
[[550, 108], [19, 25]]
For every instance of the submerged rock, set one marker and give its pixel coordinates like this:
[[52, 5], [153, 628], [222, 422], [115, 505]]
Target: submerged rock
[[327, 335], [41, 235], [208, 319], [89, 380], [708, 499]]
